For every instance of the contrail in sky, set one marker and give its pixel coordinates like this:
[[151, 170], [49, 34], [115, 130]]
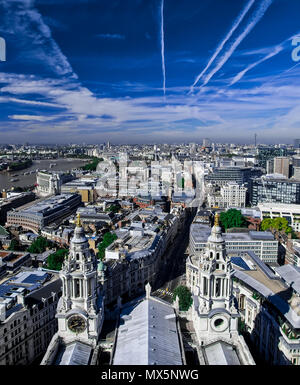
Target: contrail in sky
[[255, 19], [162, 37], [239, 76], [276, 50], [221, 45]]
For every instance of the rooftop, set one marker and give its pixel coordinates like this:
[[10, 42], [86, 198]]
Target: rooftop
[[221, 353], [271, 286], [148, 335], [291, 275], [251, 235], [75, 353], [45, 205]]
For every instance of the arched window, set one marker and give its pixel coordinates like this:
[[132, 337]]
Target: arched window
[[211, 254], [217, 256], [77, 290]]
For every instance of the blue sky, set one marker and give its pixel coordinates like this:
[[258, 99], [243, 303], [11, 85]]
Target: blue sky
[[94, 70]]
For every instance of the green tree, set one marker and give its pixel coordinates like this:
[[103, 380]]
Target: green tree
[[39, 245], [108, 239], [279, 224], [232, 218], [266, 224], [113, 208], [185, 297], [92, 166], [55, 260], [14, 245]]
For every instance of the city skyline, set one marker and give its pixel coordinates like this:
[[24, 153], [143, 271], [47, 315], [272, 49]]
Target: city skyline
[[146, 72]]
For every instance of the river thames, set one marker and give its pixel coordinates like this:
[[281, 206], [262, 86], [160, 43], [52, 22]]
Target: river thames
[[29, 178]]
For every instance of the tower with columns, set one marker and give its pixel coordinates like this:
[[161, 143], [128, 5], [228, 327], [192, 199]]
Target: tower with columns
[[214, 312], [80, 309]]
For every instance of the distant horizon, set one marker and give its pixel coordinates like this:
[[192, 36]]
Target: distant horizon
[[141, 144], [149, 71]]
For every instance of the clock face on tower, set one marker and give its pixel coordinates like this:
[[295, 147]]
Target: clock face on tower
[[76, 323]]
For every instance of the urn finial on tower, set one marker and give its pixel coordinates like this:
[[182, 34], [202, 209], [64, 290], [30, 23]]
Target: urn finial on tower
[[78, 221], [217, 216]]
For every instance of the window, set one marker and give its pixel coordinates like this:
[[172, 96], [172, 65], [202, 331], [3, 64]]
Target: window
[[218, 322], [205, 291], [77, 293], [218, 287]]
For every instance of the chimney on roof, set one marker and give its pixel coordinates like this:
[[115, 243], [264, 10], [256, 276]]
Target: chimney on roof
[[21, 299]]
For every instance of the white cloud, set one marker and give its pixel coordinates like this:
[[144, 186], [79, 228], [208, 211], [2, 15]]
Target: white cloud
[[31, 118], [22, 19], [111, 36]]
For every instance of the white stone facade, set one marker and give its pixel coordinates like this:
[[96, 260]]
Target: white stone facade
[[80, 309], [214, 313], [231, 195]]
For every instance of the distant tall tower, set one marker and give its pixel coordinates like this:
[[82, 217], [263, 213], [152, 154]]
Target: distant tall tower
[[206, 142], [255, 137], [282, 165], [296, 143]]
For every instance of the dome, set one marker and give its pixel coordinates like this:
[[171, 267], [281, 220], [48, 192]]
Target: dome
[[79, 234], [216, 235], [216, 232]]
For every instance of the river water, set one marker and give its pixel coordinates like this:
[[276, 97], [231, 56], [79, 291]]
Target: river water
[[30, 179]]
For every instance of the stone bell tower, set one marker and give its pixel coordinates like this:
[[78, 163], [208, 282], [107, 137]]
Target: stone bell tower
[[214, 312], [80, 309]]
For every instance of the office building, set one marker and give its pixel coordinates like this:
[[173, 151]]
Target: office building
[[280, 210], [267, 153], [282, 166], [86, 187], [240, 175], [49, 183], [11, 201], [270, 189], [45, 212], [263, 243], [296, 143], [28, 303], [269, 304], [231, 195]]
